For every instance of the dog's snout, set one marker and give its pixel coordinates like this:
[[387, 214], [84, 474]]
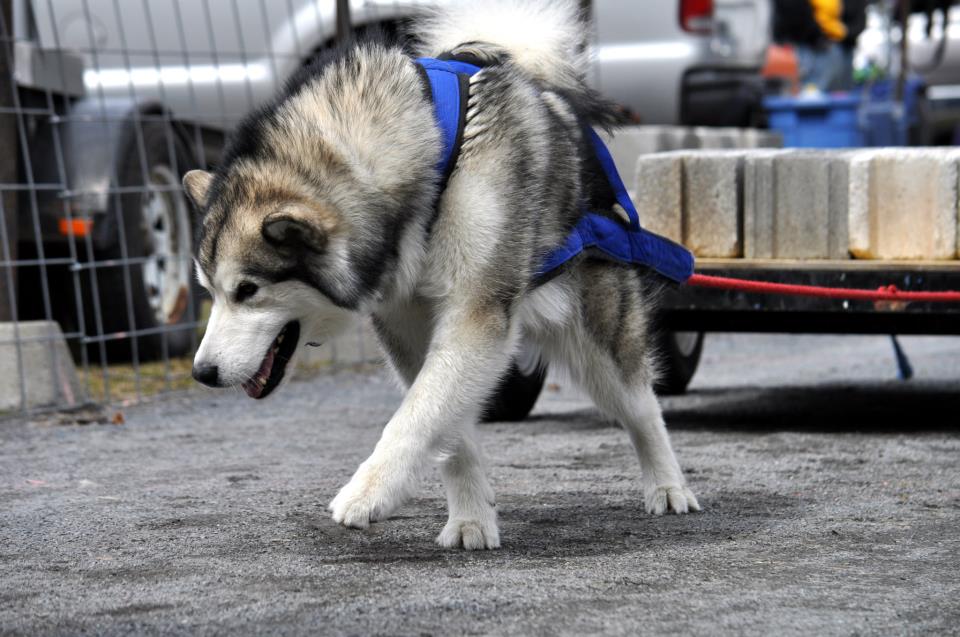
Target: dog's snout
[[206, 374]]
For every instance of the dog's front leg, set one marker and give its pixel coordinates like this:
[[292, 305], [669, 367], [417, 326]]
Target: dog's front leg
[[469, 351]]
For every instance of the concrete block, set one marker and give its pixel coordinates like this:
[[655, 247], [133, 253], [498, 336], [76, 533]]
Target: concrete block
[[630, 142], [903, 203], [657, 192], [795, 205], [36, 369], [694, 198], [676, 138], [756, 138], [717, 138], [712, 203], [730, 138]]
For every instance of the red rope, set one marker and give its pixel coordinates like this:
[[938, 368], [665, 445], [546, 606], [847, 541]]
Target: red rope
[[887, 293]]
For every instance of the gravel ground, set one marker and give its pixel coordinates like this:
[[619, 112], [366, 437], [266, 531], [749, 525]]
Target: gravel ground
[[831, 497]]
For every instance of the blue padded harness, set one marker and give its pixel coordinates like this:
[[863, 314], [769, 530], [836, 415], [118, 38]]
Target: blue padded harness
[[594, 234]]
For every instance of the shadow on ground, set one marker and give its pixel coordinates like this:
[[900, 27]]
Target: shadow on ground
[[574, 525], [874, 408]]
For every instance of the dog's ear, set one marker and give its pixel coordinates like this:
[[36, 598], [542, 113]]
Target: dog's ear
[[294, 230], [196, 184]]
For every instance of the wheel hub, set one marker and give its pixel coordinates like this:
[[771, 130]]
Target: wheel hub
[[167, 268]]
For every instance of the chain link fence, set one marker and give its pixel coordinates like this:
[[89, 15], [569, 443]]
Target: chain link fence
[[104, 104]]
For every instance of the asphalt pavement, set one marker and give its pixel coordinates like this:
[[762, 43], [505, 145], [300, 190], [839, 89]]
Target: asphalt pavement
[[830, 489]]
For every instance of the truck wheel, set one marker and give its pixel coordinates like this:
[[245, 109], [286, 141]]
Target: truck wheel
[[679, 357], [156, 237], [514, 396]]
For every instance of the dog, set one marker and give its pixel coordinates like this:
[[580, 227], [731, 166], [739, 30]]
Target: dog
[[327, 207]]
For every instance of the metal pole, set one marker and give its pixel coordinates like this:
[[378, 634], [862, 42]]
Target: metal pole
[[344, 24], [903, 9], [8, 162]]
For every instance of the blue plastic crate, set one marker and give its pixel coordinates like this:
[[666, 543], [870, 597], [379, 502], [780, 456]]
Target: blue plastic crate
[[883, 123], [869, 117], [820, 121]]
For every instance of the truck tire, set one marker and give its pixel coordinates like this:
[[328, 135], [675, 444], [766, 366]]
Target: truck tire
[[679, 356], [157, 291], [515, 395]]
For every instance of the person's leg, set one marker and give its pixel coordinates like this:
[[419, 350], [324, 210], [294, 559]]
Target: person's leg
[[814, 67]]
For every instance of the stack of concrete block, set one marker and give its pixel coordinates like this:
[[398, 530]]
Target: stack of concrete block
[[695, 198], [630, 142], [36, 369], [883, 203], [804, 204], [706, 189]]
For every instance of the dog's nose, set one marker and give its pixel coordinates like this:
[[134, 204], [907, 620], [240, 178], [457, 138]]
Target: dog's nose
[[206, 374]]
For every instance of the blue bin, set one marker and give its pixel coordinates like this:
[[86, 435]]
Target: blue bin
[[820, 121], [869, 117], [883, 123]]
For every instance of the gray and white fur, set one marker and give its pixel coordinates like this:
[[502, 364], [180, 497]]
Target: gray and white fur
[[327, 208]]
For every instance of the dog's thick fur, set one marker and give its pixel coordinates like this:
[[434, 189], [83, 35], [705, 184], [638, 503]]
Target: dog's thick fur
[[326, 207]]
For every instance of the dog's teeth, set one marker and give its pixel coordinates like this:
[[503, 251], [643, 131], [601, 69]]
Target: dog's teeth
[[280, 338], [262, 381]]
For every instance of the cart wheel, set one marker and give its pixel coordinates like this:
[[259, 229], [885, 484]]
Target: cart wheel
[[515, 395], [679, 357]]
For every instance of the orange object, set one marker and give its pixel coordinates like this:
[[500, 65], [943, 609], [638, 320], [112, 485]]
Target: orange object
[[782, 62], [829, 15], [75, 227]]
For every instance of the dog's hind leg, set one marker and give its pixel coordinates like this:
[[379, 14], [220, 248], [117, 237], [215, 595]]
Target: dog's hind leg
[[636, 408], [606, 349], [473, 515]]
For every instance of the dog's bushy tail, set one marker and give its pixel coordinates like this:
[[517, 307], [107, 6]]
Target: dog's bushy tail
[[546, 38]]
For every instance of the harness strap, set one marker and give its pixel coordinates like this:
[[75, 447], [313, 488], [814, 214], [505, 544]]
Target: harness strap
[[448, 81], [599, 234], [449, 84], [613, 176]]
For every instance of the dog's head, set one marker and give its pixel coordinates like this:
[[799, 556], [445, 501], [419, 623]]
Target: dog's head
[[272, 256], [319, 210]]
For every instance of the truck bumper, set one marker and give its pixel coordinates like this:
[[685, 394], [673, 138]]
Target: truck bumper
[[721, 96]]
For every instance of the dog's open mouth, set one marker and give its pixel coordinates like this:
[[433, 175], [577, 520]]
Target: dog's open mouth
[[274, 362]]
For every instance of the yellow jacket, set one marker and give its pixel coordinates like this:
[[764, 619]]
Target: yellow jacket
[[828, 15]]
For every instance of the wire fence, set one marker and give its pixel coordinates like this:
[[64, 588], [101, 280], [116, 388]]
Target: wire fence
[[104, 104]]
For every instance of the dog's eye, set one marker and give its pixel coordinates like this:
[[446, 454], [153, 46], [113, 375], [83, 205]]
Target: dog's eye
[[244, 291]]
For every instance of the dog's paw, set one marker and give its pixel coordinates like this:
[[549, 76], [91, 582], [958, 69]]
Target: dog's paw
[[471, 535], [670, 497], [361, 501]]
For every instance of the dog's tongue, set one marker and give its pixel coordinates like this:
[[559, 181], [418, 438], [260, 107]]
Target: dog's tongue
[[254, 386]]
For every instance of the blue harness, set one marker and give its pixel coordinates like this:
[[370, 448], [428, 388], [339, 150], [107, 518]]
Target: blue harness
[[594, 234]]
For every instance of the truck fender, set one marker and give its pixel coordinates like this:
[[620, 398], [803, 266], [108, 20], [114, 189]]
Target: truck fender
[[92, 138]]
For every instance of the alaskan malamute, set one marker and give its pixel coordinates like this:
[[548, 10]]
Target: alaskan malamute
[[328, 206]]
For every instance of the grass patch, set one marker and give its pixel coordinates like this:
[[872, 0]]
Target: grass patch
[[154, 378]]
